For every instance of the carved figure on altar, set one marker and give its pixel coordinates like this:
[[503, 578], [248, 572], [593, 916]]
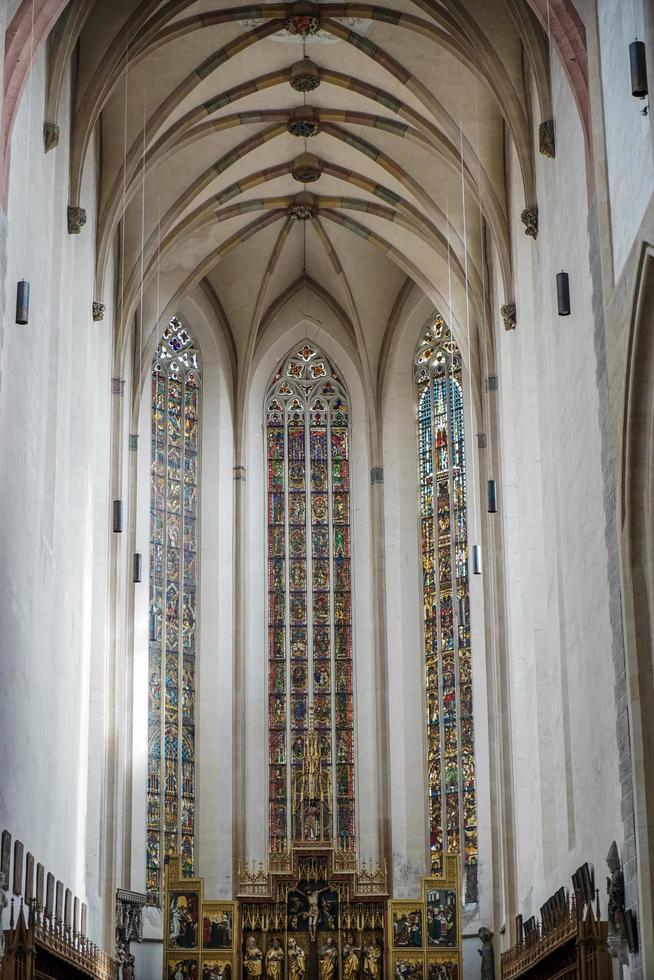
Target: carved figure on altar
[[253, 959], [350, 959], [275, 961], [296, 960], [313, 914], [372, 959], [327, 959], [312, 791]]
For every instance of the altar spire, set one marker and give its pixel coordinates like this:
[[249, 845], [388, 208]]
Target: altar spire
[[312, 790]]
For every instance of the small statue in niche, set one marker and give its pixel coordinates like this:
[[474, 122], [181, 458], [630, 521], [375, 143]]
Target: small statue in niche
[[327, 959], [296, 960], [486, 953], [372, 960], [253, 959], [275, 961], [350, 959], [128, 967], [3, 905], [615, 890]]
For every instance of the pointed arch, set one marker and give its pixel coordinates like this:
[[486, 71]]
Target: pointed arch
[[446, 602], [175, 414], [307, 420]]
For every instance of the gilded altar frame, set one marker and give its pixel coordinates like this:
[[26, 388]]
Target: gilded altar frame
[[199, 934], [207, 937], [434, 950]]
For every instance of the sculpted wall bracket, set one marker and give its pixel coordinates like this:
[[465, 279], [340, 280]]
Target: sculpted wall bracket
[[546, 144], [76, 219], [508, 312], [529, 218], [50, 136]]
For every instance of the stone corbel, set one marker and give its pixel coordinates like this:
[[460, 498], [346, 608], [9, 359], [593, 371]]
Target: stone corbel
[[529, 218], [508, 312], [546, 143], [50, 136], [98, 311], [76, 219]]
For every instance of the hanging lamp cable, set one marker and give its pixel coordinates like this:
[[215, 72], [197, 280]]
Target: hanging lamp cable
[[122, 230], [468, 338], [29, 139]]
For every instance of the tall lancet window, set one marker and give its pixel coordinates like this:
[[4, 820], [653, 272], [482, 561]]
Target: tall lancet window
[[173, 585], [444, 538], [309, 599]]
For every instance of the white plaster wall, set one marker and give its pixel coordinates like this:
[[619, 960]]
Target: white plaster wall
[[54, 492], [567, 791], [290, 328], [628, 132]]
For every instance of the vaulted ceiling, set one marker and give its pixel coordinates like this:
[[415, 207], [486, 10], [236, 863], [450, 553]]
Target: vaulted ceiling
[[329, 150]]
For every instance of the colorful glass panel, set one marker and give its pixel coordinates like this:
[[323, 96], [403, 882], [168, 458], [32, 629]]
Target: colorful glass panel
[[309, 582], [173, 588], [446, 605]]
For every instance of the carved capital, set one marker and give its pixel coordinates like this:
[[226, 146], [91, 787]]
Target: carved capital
[[98, 310], [529, 218], [508, 312], [76, 219], [305, 76], [50, 136], [546, 143]]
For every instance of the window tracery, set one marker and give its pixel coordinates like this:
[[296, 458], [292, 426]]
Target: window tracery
[[176, 386], [309, 585], [446, 605]]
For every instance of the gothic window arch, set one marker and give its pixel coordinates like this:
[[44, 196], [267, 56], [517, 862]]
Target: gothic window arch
[[446, 602], [309, 591], [175, 458]]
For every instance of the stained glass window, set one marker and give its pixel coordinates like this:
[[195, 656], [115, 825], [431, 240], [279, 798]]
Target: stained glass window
[[446, 606], [309, 589], [173, 586]]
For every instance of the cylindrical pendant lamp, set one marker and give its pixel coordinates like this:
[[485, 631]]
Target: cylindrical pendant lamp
[[118, 516], [492, 497], [22, 302], [563, 293], [153, 627], [476, 559], [638, 65], [138, 566]]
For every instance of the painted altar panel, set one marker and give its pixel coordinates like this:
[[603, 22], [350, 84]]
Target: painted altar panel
[[407, 923]]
